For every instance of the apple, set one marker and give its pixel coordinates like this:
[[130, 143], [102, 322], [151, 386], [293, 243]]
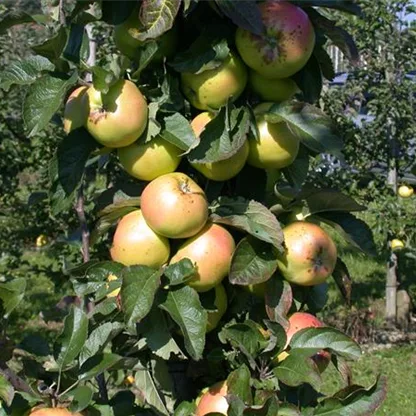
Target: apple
[[53, 411], [134, 242], [118, 118], [76, 110], [301, 320], [285, 45], [147, 161], [223, 169], [213, 400], [174, 206], [211, 89], [405, 191], [211, 251], [276, 146], [396, 244], [220, 302], [310, 255], [131, 47], [41, 240], [275, 90]]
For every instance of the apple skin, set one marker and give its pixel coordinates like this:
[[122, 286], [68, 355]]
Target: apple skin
[[223, 169], [174, 206], [53, 411], [405, 191], [276, 148], [134, 242], [286, 45], [310, 255], [76, 110], [147, 161], [211, 251], [213, 400], [301, 320], [221, 303], [119, 117], [275, 90], [212, 88]]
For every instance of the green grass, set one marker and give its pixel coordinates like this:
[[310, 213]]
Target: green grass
[[398, 364]]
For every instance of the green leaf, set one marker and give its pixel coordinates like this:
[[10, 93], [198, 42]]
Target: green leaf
[[238, 384], [298, 368], [223, 136], [347, 6], [72, 338], [297, 172], [309, 80], [326, 338], [116, 12], [81, 398], [97, 365], [243, 14], [178, 131], [24, 72], [52, 48], [17, 17], [184, 307], [140, 284], [249, 216], [102, 78], [253, 261], [343, 280], [6, 391], [185, 409], [325, 62], [44, 98], [314, 128], [144, 56], [11, 294], [354, 230], [251, 183], [354, 400], [157, 17], [98, 339], [73, 47], [278, 300], [180, 272], [207, 52]]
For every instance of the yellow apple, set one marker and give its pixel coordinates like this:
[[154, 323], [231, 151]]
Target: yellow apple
[[76, 110], [223, 169], [147, 161], [118, 118], [134, 242], [275, 90], [212, 88], [405, 191], [397, 244]]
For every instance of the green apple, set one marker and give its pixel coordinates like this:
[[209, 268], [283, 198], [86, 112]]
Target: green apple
[[275, 90], [76, 110], [220, 303]]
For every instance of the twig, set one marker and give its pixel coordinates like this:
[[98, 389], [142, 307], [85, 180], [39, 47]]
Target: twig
[[85, 233], [62, 17]]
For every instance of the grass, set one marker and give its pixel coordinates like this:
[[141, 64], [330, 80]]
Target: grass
[[398, 364]]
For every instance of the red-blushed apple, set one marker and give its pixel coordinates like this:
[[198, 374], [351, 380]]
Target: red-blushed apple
[[285, 45], [223, 169], [301, 320], [220, 302], [211, 251], [134, 242], [310, 254], [174, 206], [129, 45], [53, 411], [276, 147], [147, 161], [76, 110], [118, 118], [213, 88], [213, 400], [275, 90]]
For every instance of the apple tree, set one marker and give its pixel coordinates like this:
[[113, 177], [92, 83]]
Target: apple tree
[[204, 254]]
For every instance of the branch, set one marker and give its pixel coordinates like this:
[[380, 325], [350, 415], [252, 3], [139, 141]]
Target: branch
[[85, 233], [62, 17]]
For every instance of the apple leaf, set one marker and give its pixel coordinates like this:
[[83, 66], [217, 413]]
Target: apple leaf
[[249, 216], [344, 5], [278, 300], [75, 40], [208, 51], [238, 384], [138, 290], [72, 338], [157, 17], [309, 80], [251, 183], [297, 172], [271, 407], [97, 364], [184, 307], [245, 14], [313, 127], [223, 136], [354, 400], [177, 130], [185, 409], [325, 62], [180, 272], [326, 338], [81, 397], [116, 12], [343, 280], [354, 230], [53, 47], [17, 17], [254, 261], [24, 72], [11, 294], [6, 390]]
